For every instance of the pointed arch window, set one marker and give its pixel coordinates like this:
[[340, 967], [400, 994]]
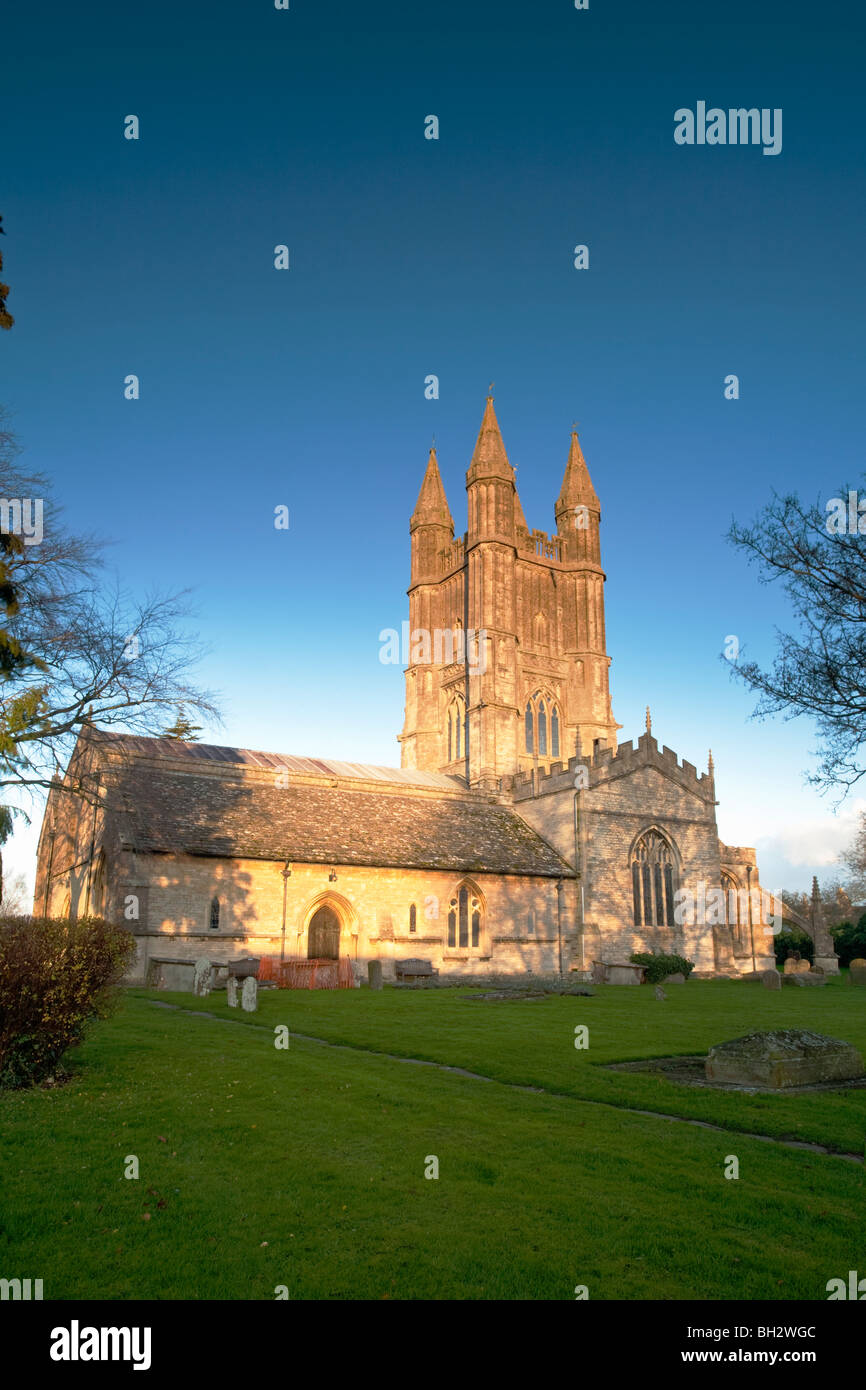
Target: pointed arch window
[[653, 880], [215, 914], [736, 909], [465, 915], [413, 918], [541, 726], [456, 729]]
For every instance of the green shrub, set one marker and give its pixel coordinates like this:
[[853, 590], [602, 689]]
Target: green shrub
[[792, 940], [55, 975], [659, 966], [850, 941]]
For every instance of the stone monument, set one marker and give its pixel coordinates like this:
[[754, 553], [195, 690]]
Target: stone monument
[[781, 1059]]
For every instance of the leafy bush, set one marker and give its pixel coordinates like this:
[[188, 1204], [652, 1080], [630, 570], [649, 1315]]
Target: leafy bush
[[850, 941], [659, 966], [55, 975], [791, 941]]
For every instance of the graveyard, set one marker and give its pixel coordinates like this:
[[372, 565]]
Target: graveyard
[[447, 1143]]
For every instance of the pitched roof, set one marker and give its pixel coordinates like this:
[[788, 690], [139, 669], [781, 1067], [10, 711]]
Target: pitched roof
[[175, 750], [324, 821]]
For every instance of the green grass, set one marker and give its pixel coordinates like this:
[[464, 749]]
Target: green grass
[[305, 1167], [532, 1043]]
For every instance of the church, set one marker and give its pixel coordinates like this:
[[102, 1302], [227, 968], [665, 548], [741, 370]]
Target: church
[[518, 835]]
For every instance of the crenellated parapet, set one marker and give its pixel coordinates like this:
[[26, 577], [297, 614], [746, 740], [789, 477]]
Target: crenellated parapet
[[605, 765]]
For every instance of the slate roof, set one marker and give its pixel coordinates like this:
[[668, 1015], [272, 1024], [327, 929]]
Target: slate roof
[[169, 809], [211, 753]]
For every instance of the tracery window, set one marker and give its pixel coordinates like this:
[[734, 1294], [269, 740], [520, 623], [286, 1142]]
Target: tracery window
[[654, 881], [464, 920], [541, 726]]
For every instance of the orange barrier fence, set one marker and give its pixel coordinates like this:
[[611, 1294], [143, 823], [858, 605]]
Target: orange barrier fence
[[308, 974]]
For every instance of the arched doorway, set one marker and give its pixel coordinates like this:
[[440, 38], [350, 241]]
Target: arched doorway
[[323, 937]]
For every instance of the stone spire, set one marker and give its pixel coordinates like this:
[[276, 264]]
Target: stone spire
[[489, 459], [711, 767], [649, 722], [431, 509], [577, 489]]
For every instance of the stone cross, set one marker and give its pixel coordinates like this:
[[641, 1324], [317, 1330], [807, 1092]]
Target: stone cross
[[232, 992], [250, 995], [202, 977]]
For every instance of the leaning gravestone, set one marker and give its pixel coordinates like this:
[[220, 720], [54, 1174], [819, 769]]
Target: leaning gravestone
[[374, 973], [201, 981], [787, 1057], [250, 995], [771, 979], [232, 992]]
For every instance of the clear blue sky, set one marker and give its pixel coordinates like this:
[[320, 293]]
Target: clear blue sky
[[453, 257]]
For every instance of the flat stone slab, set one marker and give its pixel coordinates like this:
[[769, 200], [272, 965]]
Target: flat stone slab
[[784, 1058]]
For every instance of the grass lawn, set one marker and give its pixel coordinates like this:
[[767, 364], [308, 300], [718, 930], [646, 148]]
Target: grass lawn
[[305, 1167]]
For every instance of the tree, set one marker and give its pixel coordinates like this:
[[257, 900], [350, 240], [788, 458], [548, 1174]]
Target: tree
[[182, 729], [821, 671], [6, 319], [16, 898], [81, 652]]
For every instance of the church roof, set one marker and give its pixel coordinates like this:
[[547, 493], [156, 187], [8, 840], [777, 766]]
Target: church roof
[[320, 818], [213, 753]]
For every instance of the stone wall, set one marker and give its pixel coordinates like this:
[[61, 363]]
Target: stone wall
[[521, 916]]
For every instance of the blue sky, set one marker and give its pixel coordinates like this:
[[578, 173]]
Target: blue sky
[[454, 257]]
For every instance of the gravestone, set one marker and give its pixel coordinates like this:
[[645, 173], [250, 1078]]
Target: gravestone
[[660, 994], [250, 995], [624, 973], [857, 972], [784, 1058], [858, 961], [232, 992], [201, 981], [374, 974], [678, 978], [806, 979], [794, 966], [771, 979]]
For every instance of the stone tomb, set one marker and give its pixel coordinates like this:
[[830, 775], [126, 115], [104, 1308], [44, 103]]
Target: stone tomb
[[781, 1059]]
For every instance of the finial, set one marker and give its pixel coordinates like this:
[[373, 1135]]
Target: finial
[[433, 442], [649, 722], [490, 390], [574, 427], [711, 767]]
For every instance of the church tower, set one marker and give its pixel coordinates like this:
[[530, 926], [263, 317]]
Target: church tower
[[507, 662]]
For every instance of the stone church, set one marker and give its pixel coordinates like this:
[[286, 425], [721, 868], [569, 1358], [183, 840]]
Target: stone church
[[518, 835]]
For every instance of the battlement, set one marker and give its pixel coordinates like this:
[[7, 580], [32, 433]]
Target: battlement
[[604, 764], [540, 543]]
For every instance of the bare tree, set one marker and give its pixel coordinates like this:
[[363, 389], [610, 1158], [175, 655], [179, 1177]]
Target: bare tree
[[821, 671], [81, 653]]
